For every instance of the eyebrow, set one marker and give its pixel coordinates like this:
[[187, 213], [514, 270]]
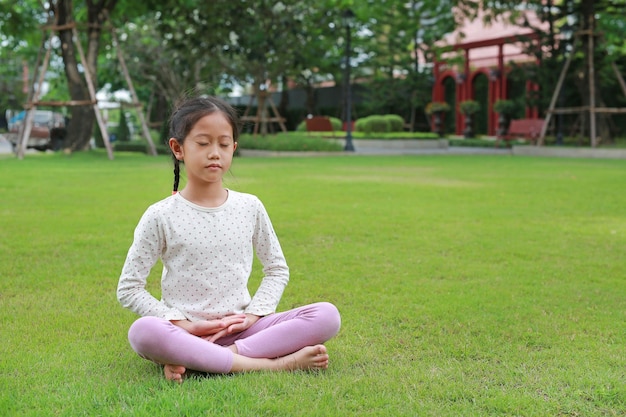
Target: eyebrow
[[205, 135]]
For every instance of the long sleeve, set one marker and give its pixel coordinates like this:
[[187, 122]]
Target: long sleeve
[[143, 254], [275, 270]]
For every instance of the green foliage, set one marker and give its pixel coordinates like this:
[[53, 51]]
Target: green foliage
[[373, 124], [397, 33], [485, 304], [437, 107], [396, 135], [289, 142], [506, 107], [469, 107], [123, 134], [336, 123], [471, 143], [140, 146], [304, 41], [97, 135], [396, 123], [301, 127]]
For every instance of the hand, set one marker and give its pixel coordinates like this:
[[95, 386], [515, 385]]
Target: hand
[[206, 328], [239, 327]]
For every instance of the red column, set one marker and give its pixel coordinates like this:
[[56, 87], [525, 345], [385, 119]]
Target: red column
[[436, 85]]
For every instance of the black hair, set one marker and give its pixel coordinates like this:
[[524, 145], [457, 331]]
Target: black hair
[[186, 114]]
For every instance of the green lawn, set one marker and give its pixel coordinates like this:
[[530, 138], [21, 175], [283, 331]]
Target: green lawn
[[468, 286]]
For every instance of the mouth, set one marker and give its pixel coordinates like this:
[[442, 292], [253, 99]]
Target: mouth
[[214, 166]]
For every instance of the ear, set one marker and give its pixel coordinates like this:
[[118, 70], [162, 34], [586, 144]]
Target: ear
[[176, 148], [235, 147]]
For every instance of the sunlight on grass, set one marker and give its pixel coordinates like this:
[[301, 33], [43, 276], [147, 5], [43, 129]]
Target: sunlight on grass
[[468, 285]]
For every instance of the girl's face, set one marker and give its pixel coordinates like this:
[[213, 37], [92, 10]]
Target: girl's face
[[207, 150]]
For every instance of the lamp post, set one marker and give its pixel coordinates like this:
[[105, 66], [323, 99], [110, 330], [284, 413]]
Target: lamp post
[[348, 17]]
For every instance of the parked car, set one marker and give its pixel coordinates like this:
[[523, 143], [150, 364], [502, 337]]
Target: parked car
[[47, 130]]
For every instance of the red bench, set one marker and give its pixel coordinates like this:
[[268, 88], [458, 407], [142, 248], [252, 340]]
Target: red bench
[[528, 129], [319, 124]]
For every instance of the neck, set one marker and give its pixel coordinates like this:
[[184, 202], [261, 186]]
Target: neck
[[213, 195]]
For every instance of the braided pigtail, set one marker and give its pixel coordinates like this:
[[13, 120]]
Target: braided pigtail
[[176, 175]]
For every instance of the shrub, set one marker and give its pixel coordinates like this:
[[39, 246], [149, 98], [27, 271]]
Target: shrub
[[396, 123], [140, 146], [360, 124], [337, 123], [469, 107], [506, 107], [481, 143], [288, 142], [437, 107], [373, 124]]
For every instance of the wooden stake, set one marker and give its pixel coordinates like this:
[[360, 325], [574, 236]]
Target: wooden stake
[[592, 89], [92, 95], [27, 125], [555, 96]]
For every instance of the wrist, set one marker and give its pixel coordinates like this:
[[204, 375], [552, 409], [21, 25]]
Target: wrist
[[185, 324], [253, 317]]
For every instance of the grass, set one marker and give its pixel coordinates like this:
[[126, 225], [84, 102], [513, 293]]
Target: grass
[[468, 286]]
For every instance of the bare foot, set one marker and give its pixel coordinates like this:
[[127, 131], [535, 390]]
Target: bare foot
[[174, 372], [307, 358]]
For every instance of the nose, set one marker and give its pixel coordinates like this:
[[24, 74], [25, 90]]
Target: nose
[[213, 151]]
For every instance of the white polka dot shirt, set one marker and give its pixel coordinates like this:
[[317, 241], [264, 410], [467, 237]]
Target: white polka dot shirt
[[207, 256]]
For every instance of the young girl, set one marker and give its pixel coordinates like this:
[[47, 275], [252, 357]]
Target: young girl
[[206, 236]]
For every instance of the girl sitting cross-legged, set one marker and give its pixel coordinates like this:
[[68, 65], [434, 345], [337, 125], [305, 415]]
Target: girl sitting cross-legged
[[206, 237]]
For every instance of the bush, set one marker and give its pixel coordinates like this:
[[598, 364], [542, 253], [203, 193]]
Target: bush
[[373, 124], [396, 123], [379, 124], [506, 107], [288, 142], [141, 147], [469, 107], [337, 123], [472, 143], [359, 124], [437, 107]]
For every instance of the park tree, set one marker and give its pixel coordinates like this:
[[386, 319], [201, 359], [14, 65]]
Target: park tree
[[318, 56], [275, 43], [227, 43], [62, 14], [19, 38], [400, 41], [60, 17], [167, 62]]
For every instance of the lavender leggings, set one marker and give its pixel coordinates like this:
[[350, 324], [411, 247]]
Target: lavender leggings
[[271, 336]]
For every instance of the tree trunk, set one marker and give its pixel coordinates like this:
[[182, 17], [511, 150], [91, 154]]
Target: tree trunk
[[283, 106], [82, 119]]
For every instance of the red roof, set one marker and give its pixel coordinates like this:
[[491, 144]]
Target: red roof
[[482, 39]]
